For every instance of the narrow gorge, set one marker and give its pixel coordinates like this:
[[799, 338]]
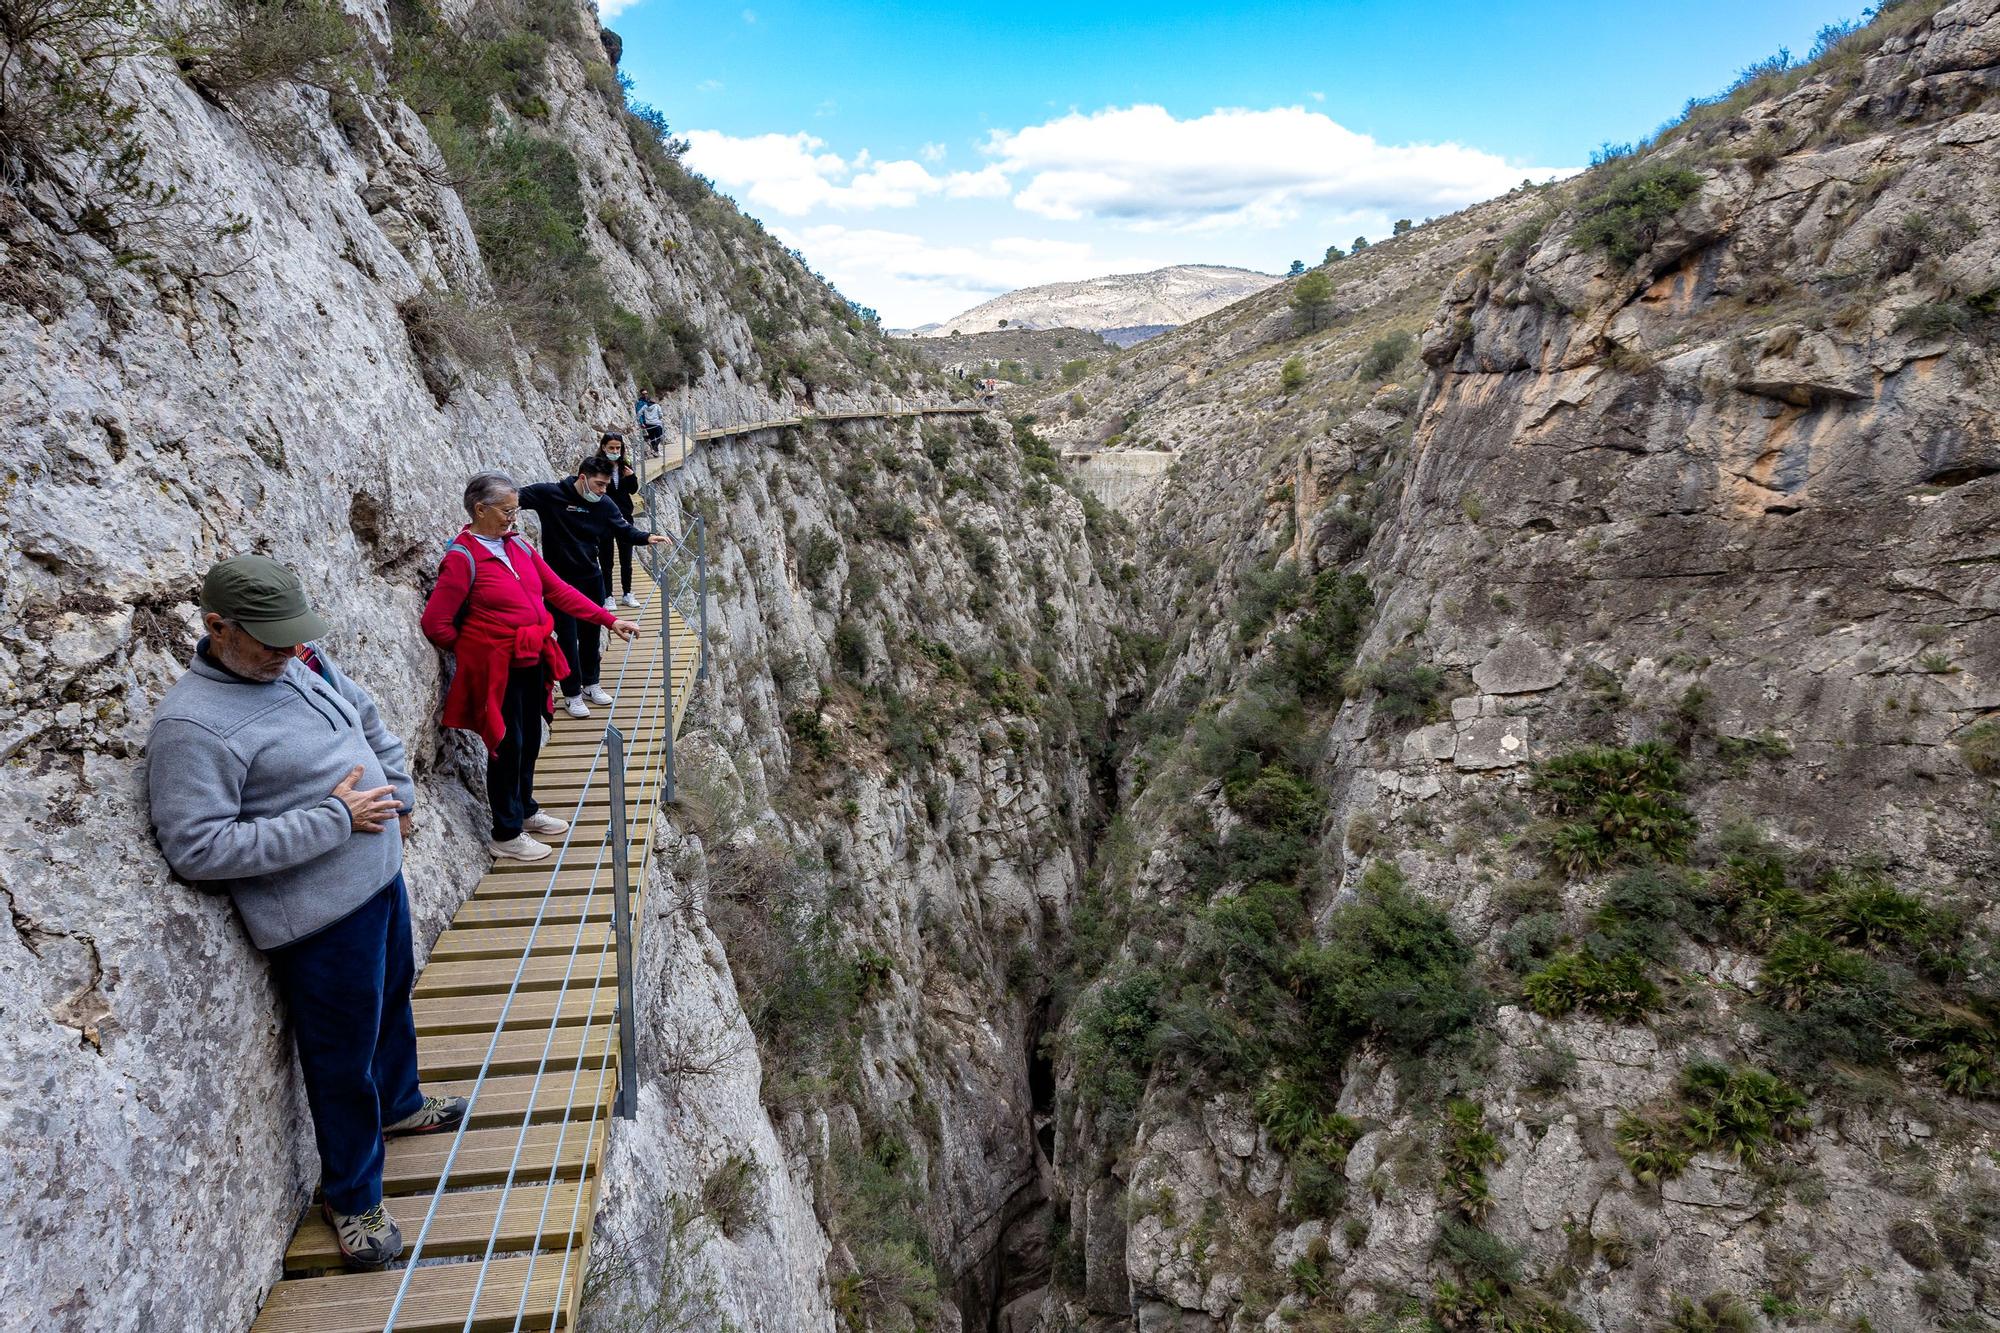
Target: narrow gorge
[[1501, 835]]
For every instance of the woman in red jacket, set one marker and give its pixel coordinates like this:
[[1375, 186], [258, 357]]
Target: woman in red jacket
[[491, 608]]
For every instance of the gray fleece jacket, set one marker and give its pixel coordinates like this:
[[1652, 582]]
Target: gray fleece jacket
[[241, 774]]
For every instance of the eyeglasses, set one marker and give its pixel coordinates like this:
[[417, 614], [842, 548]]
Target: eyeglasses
[[506, 512]]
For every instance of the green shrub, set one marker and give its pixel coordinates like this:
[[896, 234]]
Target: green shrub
[[1624, 218], [1614, 987], [1407, 689], [1980, 748], [1385, 354], [1112, 1043], [1935, 319], [1617, 804], [1291, 375], [1391, 970], [1469, 1148], [850, 647], [1717, 1312], [808, 728], [247, 44], [892, 521], [818, 556], [1266, 593], [1316, 654], [1866, 910], [1074, 371], [1477, 1253], [1742, 1111], [1315, 1138], [1311, 295]]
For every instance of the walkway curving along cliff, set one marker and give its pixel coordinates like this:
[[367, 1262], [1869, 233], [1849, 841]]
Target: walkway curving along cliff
[[519, 1007]]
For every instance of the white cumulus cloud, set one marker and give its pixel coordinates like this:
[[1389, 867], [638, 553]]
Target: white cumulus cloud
[[794, 174], [1145, 168]]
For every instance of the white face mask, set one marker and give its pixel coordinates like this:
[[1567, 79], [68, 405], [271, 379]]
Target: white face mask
[[613, 454]]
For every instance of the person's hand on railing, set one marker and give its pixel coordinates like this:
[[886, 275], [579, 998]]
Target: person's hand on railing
[[658, 539], [624, 629]]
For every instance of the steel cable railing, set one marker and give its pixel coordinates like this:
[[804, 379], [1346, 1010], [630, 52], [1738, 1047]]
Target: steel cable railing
[[500, 1023], [613, 745]]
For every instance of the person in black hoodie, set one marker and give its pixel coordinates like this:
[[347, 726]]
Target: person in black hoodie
[[624, 485], [576, 516]]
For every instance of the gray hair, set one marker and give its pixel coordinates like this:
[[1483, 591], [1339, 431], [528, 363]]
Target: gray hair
[[486, 488]]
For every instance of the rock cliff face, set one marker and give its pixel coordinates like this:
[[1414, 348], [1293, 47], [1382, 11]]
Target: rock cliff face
[[1508, 838], [315, 380], [1714, 473]]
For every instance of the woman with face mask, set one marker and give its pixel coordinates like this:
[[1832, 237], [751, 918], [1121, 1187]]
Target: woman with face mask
[[624, 485]]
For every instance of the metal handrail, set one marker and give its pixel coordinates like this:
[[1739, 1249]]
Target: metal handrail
[[499, 1026]]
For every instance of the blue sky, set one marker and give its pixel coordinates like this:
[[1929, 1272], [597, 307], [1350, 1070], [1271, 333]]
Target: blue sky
[[927, 158]]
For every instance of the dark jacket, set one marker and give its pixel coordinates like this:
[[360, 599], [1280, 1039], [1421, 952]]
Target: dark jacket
[[573, 526]]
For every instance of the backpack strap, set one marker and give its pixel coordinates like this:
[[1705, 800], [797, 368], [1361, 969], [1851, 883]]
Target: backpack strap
[[458, 616]]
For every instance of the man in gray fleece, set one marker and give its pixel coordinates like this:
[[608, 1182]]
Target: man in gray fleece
[[272, 778]]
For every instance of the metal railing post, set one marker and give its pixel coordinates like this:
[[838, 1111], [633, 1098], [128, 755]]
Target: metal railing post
[[627, 1104], [701, 585], [667, 673]]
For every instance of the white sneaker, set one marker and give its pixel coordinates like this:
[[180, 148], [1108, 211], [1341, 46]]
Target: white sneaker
[[545, 824], [596, 695], [520, 847], [575, 706], [628, 600], [611, 604]]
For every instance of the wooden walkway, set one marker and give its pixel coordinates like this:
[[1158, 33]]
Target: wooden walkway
[[542, 1115], [674, 450], [521, 990]]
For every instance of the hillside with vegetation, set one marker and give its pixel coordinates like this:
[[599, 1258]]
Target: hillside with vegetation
[[1552, 883]]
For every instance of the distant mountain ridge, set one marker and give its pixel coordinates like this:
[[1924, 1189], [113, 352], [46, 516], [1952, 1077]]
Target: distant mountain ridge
[[1124, 307]]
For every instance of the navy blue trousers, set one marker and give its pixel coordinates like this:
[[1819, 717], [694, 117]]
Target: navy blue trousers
[[348, 989]]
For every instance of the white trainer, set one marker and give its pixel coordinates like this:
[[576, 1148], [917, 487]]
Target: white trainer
[[628, 600], [545, 824], [595, 695], [611, 604], [520, 847], [575, 706]]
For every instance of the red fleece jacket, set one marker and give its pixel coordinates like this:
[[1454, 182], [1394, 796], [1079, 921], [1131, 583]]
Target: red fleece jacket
[[496, 619]]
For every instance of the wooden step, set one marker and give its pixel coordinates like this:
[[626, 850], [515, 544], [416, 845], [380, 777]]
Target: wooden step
[[478, 913], [438, 1301], [531, 1010], [502, 882], [504, 1098], [485, 976], [411, 1165], [538, 1215], [458, 1055], [584, 938]]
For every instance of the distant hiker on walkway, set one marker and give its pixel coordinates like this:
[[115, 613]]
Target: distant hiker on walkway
[[652, 419], [492, 608], [624, 485], [576, 516], [271, 777]]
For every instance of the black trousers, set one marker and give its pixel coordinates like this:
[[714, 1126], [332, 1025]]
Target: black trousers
[[510, 772], [581, 642], [347, 988], [624, 560]]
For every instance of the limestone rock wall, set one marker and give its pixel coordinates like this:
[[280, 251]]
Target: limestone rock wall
[[1737, 493]]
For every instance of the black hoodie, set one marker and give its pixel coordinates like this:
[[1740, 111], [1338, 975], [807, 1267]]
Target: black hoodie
[[573, 525]]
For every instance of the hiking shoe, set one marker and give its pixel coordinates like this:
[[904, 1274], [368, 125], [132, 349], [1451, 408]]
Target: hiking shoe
[[435, 1114], [575, 706], [367, 1239], [520, 847], [596, 695], [628, 600], [545, 824]]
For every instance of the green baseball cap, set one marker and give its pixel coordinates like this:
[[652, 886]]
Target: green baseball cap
[[264, 598]]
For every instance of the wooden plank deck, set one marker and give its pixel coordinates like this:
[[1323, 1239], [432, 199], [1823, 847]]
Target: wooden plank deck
[[548, 1129]]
